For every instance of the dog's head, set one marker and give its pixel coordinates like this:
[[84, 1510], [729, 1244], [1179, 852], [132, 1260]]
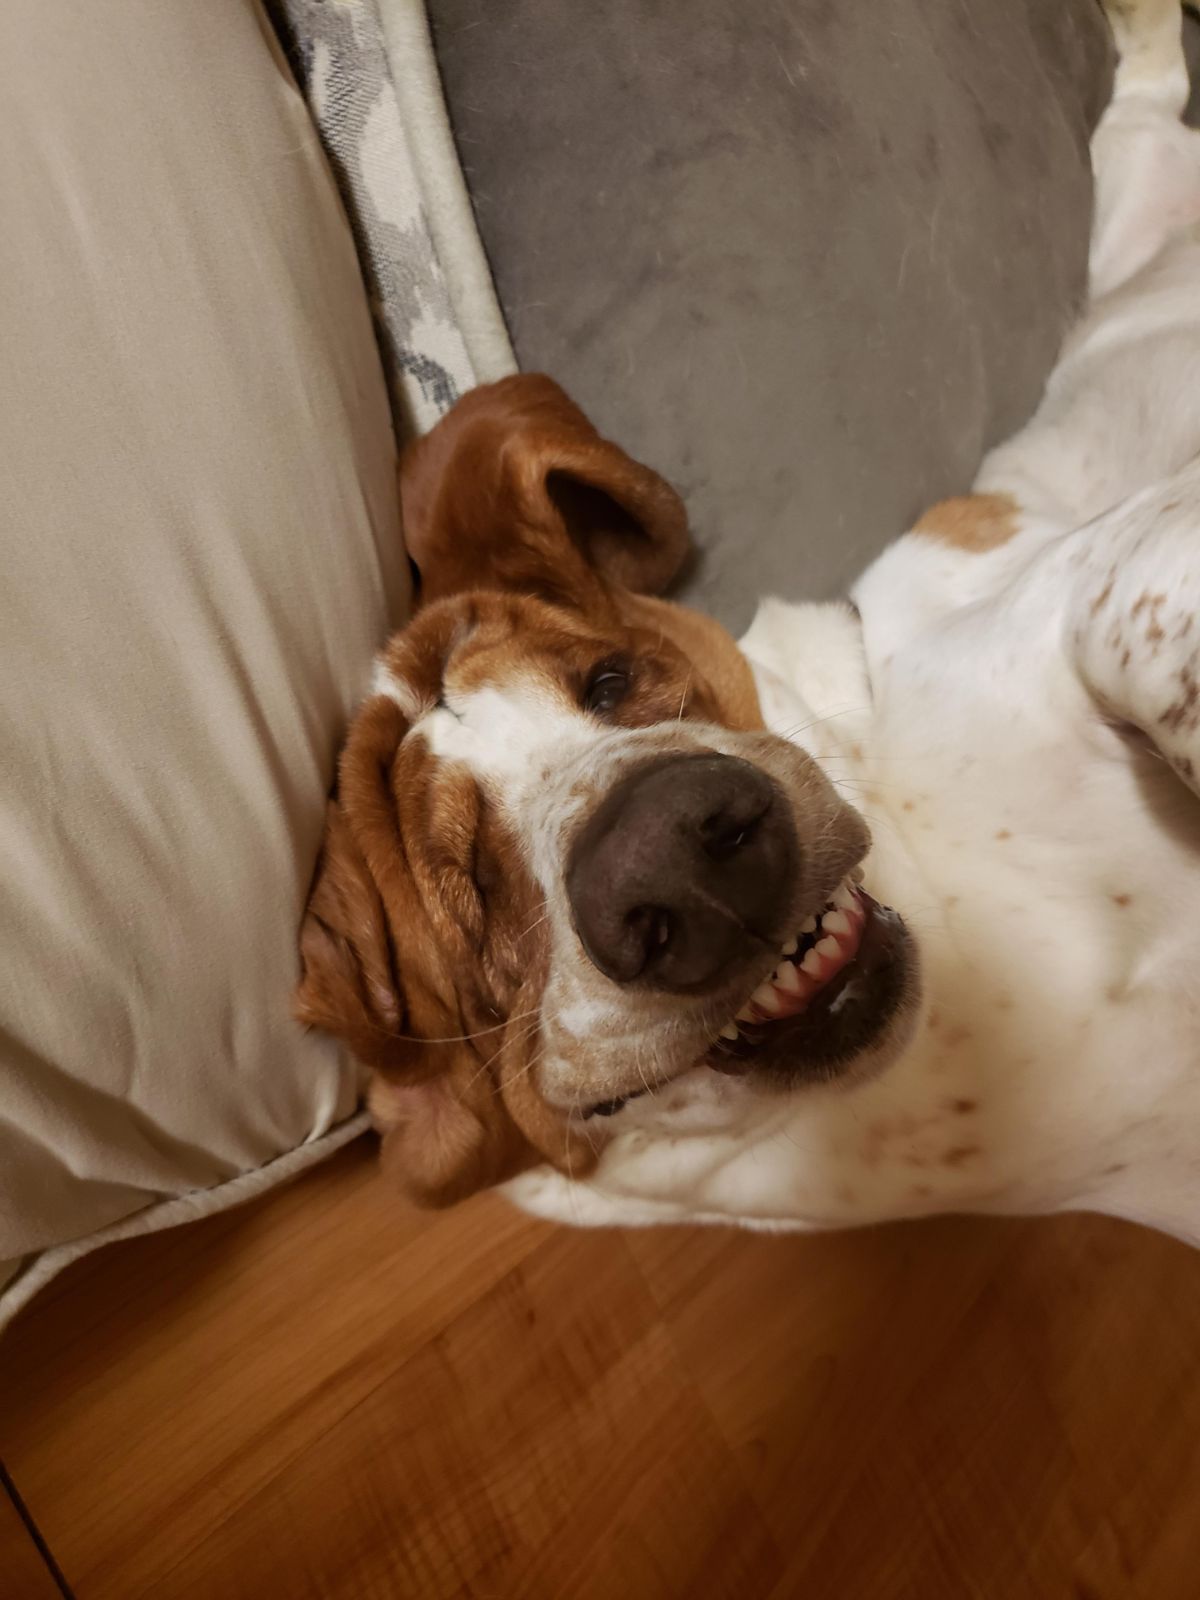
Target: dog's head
[[565, 863]]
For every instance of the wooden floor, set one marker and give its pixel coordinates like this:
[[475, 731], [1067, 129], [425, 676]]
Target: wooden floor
[[324, 1396]]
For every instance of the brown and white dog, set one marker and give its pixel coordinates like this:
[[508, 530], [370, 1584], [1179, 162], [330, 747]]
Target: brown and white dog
[[604, 900]]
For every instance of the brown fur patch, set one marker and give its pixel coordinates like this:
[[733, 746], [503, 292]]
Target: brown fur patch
[[975, 523], [514, 489]]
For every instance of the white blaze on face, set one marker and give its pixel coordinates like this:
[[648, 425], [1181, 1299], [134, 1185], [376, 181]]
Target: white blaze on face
[[507, 734]]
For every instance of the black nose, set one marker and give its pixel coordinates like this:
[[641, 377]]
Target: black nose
[[683, 871]]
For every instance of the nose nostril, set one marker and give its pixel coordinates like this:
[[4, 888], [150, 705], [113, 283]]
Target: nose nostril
[[651, 927], [723, 837]]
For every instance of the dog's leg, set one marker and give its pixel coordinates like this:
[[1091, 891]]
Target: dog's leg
[[1143, 158], [1133, 619], [1150, 63], [1091, 444]]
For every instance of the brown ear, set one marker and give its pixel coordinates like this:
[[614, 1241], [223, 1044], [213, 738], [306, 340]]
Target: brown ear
[[472, 1126], [514, 489], [438, 1146], [347, 985]]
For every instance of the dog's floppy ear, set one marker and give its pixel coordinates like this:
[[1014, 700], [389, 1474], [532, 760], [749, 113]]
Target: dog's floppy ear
[[446, 1134], [347, 986], [454, 1117], [514, 489]]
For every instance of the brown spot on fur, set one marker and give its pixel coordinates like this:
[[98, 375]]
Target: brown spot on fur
[[908, 805], [1183, 713], [964, 1108], [960, 1154], [1121, 900], [951, 901], [935, 1019], [1101, 598], [1117, 1166], [975, 523], [1125, 658], [920, 1191], [1003, 833], [956, 1036]]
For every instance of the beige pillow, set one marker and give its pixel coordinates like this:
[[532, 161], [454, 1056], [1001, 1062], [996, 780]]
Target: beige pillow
[[200, 546]]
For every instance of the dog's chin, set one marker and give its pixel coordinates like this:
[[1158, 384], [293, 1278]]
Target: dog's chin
[[838, 1008]]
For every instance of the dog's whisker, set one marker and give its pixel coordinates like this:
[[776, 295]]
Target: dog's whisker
[[457, 1038], [545, 914]]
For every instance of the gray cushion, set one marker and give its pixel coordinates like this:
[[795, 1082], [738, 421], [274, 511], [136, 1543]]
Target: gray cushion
[[808, 259]]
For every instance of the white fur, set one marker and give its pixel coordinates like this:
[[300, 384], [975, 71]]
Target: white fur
[[1008, 722], [385, 682]]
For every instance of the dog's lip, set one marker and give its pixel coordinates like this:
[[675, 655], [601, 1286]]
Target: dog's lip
[[860, 993]]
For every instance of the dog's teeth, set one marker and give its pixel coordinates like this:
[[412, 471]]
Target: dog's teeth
[[835, 922], [810, 926], [765, 998], [729, 1031], [844, 897], [827, 948], [788, 979], [790, 947], [811, 964]]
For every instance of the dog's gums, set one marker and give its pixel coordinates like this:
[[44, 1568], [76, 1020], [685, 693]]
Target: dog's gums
[[821, 950], [840, 978]]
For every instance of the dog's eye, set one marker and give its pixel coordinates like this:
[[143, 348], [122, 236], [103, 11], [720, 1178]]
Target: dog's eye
[[607, 687]]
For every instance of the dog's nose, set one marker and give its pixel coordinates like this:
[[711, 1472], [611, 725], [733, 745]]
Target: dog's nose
[[683, 871]]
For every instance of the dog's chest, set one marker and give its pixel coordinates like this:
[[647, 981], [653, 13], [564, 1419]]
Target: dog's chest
[[1049, 870]]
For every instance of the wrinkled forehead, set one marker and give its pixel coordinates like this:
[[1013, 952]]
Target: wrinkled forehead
[[495, 684], [513, 728]]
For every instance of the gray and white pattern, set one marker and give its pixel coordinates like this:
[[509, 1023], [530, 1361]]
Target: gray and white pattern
[[367, 71]]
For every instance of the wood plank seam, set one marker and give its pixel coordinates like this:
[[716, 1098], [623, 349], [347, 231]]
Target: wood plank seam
[[35, 1534]]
